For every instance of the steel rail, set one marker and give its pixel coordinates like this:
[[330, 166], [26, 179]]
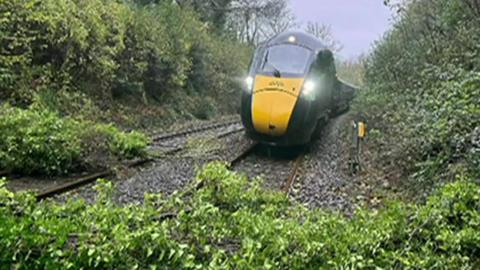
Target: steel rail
[[243, 154], [228, 133], [293, 174], [71, 185], [171, 135], [57, 190]]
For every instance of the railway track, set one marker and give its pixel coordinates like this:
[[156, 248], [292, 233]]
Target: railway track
[[83, 181], [222, 135], [183, 133], [293, 169], [293, 174], [246, 151]]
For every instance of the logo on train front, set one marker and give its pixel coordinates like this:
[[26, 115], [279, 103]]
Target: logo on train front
[[277, 84]]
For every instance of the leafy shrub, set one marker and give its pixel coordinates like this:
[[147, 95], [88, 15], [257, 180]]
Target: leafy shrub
[[423, 86], [110, 49], [229, 222], [123, 144], [38, 141]]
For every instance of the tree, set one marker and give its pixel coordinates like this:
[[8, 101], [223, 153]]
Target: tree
[[214, 12], [324, 33], [250, 21], [255, 20], [279, 18]]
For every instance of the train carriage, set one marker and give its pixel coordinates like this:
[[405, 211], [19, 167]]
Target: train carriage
[[291, 90]]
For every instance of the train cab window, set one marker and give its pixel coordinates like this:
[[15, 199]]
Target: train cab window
[[285, 58], [257, 59]]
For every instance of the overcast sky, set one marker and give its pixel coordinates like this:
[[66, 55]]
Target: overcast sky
[[355, 23]]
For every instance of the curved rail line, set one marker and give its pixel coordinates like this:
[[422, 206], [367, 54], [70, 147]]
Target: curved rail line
[[245, 152], [235, 160], [167, 136], [71, 185], [180, 148], [171, 135], [57, 190]]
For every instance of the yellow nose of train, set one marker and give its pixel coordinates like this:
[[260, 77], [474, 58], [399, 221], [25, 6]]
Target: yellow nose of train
[[273, 102]]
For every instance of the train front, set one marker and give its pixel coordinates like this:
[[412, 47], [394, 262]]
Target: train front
[[277, 106]]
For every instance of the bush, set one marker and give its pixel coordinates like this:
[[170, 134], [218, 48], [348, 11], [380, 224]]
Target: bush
[[38, 141], [423, 86], [128, 145], [229, 222], [111, 49]]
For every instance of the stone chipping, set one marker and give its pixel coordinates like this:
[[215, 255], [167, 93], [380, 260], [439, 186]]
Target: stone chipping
[[323, 180]]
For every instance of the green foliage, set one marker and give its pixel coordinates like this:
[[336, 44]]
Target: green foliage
[[123, 144], [352, 71], [38, 141], [103, 61], [423, 87], [212, 12], [109, 49], [226, 221]]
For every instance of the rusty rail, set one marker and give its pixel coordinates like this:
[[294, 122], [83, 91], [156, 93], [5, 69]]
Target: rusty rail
[[243, 154], [228, 133], [93, 177], [293, 174], [291, 179], [71, 185], [194, 130]]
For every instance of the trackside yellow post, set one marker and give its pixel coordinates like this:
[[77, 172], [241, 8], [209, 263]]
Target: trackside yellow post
[[361, 130]]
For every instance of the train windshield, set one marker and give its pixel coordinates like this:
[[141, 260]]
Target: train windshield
[[285, 58]]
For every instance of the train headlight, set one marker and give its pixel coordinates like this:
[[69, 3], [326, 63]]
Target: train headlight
[[308, 89], [249, 83]]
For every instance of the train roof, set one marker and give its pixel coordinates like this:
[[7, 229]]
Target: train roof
[[301, 38]]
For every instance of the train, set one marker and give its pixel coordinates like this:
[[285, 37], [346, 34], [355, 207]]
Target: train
[[292, 90]]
